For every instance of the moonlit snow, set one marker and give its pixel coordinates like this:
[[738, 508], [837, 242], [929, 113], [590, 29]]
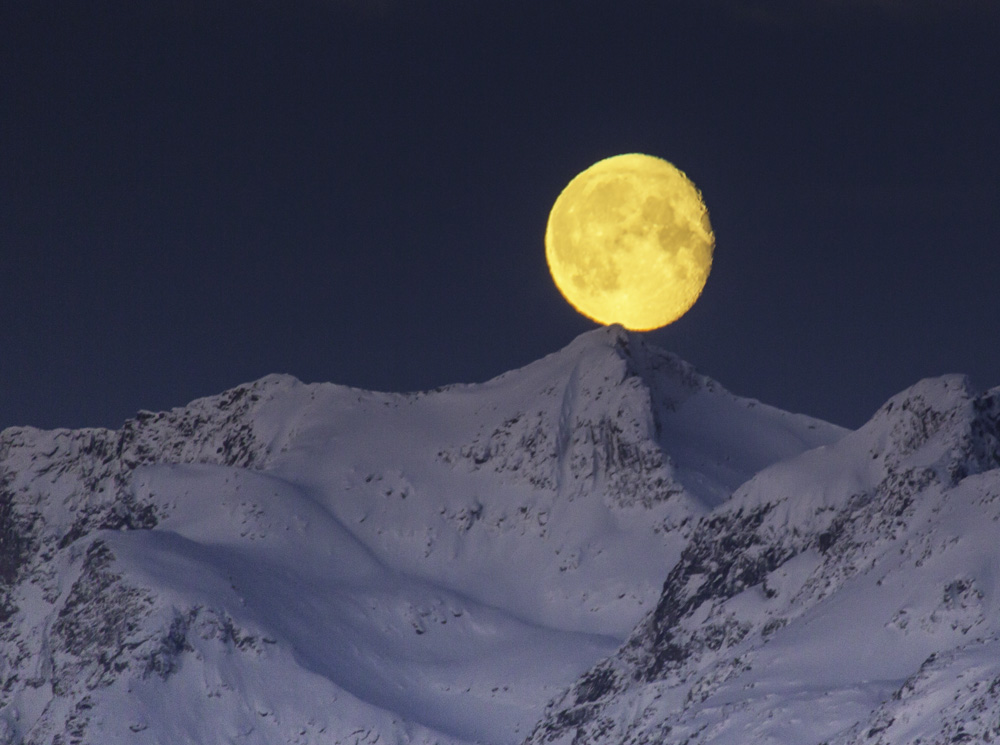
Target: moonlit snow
[[292, 563]]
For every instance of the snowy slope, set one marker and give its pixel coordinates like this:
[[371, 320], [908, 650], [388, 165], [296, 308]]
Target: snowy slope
[[291, 563], [848, 595]]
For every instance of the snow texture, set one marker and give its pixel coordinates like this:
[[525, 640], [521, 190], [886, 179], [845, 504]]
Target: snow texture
[[292, 563]]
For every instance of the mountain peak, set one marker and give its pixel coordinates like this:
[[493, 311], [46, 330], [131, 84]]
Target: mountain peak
[[941, 422], [347, 542], [611, 335]]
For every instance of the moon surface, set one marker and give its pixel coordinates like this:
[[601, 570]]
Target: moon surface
[[629, 241]]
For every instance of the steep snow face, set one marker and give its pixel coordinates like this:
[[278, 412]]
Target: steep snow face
[[847, 595], [564, 473], [312, 563]]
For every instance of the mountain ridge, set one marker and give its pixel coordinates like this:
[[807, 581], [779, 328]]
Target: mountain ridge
[[815, 532], [605, 529]]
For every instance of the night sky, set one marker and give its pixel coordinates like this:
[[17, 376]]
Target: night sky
[[194, 195]]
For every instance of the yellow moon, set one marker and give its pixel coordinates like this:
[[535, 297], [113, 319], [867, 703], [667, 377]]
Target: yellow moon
[[628, 241]]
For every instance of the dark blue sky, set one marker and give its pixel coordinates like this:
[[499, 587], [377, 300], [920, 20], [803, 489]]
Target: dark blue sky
[[193, 195]]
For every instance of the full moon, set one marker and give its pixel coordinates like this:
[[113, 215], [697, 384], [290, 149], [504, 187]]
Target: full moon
[[628, 241]]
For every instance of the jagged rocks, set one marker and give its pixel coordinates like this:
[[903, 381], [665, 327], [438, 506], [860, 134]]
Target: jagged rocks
[[93, 631]]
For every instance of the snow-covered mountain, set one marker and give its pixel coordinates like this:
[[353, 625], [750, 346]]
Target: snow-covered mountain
[[847, 595], [291, 563]]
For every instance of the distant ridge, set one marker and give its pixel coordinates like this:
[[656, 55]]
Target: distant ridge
[[848, 595]]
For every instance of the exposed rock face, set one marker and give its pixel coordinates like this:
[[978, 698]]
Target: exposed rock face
[[69, 623], [878, 549], [596, 428], [79, 481]]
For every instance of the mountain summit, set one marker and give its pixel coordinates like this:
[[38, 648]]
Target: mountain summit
[[293, 563]]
